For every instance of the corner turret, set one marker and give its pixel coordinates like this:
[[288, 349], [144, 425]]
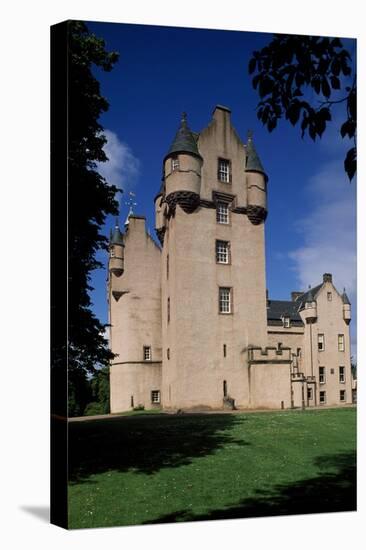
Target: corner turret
[[346, 308], [182, 170], [256, 184], [309, 313], [116, 251]]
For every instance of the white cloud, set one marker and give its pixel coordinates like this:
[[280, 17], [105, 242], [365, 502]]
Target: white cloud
[[329, 231], [122, 168], [329, 235]]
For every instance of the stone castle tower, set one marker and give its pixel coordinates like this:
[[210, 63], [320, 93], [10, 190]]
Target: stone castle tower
[[191, 323]]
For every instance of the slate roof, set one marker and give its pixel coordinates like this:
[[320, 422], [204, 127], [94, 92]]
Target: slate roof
[[116, 237], [308, 296], [345, 298], [184, 140], [253, 162], [277, 309]]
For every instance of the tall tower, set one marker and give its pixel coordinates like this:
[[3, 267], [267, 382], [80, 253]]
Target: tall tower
[[210, 214], [134, 316]]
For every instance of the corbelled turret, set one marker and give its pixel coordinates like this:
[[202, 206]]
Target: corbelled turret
[[256, 183], [346, 308], [310, 313], [116, 251], [182, 170]]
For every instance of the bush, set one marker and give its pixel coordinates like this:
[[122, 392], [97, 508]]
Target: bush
[[94, 408]]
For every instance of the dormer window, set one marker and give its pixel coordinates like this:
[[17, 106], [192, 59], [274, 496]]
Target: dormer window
[[286, 322], [224, 171], [175, 163]]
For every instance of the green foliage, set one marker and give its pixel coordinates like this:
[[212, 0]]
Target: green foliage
[[91, 199], [287, 67], [94, 408], [354, 368], [79, 391], [100, 389]]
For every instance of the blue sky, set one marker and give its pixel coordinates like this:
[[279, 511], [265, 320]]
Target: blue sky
[[163, 71]]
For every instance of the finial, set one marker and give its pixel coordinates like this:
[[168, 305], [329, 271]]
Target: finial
[[117, 224], [250, 135], [309, 286], [184, 118]]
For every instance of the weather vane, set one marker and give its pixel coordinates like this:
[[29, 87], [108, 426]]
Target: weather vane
[[131, 202]]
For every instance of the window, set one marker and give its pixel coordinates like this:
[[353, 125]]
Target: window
[[222, 252], [167, 266], [322, 397], [340, 342], [147, 353], [342, 395], [286, 322], [155, 396], [168, 353], [222, 212], [224, 350], [224, 388], [168, 310], [224, 300], [321, 345], [310, 393], [342, 375], [112, 252], [299, 352], [321, 375], [224, 170], [175, 163], [329, 296]]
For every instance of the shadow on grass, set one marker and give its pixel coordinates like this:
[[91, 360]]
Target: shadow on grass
[[145, 443], [333, 490]]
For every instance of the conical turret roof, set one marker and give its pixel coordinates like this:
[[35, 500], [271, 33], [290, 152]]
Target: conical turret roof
[[117, 236], [345, 298], [184, 141], [253, 163]]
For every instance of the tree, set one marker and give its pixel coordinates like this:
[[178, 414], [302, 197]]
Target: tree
[[91, 199], [290, 67], [99, 386]]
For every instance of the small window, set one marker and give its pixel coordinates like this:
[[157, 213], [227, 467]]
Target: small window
[[147, 353], [167, 266], [222, 212], [321, 345], [342, 375], [286, 322], [322, 397], [342, 395], [224, 350], [329, 296], [310, 393], [224, 388], [224, 300], [340, 342], [175, 163], [224, 170], [168, 310], [321, 375], [155, 396], [168, 353], [222, 252], [299, 352], [112, 252]]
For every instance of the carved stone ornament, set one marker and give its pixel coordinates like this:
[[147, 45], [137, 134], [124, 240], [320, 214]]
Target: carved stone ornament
[[187, 200], [256, 214]]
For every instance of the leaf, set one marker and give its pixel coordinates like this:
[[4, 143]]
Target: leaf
[[335, 82], [252, 65], [350, 162], [325, 87]]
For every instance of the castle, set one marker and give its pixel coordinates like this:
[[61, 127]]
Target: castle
[[191, 322]]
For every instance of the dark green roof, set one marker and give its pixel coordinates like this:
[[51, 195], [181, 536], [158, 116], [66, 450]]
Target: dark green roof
[[184, 141], [345, 298], [116, 236], [253, 163], [308, 296], [277, 309]]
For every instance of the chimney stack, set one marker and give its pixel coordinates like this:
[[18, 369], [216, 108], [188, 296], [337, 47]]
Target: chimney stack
[[327, 278]]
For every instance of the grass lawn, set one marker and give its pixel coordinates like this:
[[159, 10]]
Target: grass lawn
[[166, 468]]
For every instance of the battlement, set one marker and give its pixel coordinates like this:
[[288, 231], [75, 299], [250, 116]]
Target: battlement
[[269, 355]]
